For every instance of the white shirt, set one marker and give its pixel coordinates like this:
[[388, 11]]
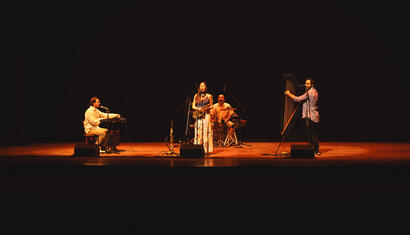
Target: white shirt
[[92, 118]]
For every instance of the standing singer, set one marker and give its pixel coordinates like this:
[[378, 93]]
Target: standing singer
[[202, 104]]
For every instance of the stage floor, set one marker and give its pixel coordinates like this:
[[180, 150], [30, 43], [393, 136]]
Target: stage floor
[[248, 174], [246, 154]]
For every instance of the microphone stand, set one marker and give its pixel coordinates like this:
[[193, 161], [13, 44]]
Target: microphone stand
[[308, 135], [203, 130], [187, 120], [187, 102], [109, 136], [171, 145], [239, 106], [234, 98]]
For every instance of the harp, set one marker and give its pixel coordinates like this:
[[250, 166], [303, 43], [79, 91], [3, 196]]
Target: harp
[[288, 107]]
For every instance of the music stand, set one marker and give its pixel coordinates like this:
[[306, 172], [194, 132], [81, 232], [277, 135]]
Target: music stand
[[233, 139]]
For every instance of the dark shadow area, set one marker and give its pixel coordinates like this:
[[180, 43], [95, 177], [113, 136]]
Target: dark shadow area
[[151, 200], [144, 59]]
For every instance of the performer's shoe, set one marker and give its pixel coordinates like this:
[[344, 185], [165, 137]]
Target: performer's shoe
[[107, 149], [102, 149], [114, 149]]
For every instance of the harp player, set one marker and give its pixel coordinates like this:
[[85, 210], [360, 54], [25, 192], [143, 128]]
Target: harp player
[[310, 112]]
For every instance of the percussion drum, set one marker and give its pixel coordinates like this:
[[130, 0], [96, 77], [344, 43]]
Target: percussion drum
[[219, 132], [237, 121]]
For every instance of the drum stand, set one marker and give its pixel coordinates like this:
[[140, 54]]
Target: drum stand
[[231, 139], [219, 142]]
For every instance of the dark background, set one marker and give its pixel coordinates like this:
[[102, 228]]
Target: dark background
[[143, 59]]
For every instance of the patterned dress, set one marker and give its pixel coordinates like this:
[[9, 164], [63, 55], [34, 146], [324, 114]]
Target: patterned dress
[[203, 128]]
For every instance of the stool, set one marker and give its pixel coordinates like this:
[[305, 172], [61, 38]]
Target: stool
[[90, 139]]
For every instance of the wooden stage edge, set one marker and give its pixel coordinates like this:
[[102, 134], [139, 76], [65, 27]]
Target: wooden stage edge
[[153, 153]]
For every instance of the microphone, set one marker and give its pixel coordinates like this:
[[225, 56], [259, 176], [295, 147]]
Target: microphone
[[103, 107], [197, 88], [224, 88]]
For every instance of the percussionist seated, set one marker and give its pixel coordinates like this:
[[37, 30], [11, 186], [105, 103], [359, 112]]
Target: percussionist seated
[[222, 113], [92, 120]]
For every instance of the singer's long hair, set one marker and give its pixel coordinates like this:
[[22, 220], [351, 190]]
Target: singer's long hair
[[198, 97]]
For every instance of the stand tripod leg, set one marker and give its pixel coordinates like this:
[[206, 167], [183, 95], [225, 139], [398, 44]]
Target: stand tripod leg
[[276, 152], [228, 141]]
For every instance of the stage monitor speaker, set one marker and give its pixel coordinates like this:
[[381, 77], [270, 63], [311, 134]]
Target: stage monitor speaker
[[86, 150], [191, 151], [302, 151]]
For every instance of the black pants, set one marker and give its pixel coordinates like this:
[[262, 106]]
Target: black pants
[[312, 133]]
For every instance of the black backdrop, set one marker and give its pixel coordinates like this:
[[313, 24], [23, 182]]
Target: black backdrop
[[144, 59]]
